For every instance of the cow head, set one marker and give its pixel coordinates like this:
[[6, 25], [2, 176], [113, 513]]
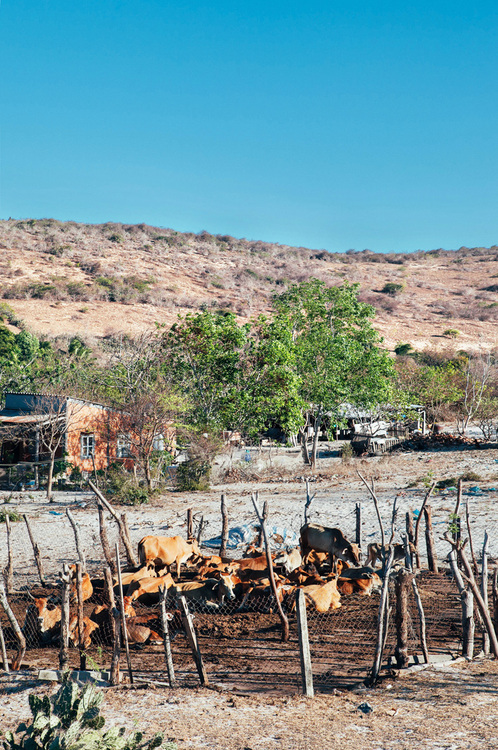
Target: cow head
[[226, 587]]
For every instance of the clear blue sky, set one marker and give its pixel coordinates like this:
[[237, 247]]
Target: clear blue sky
[[326, 124]]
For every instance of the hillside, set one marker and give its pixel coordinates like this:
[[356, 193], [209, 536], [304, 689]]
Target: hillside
[[65, 278]]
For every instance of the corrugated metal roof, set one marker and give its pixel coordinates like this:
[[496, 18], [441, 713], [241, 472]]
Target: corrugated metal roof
[[23, 418]]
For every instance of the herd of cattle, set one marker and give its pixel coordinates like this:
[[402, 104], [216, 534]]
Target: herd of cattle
[[326, 567]]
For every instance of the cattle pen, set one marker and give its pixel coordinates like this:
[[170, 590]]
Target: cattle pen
[[241, 645]]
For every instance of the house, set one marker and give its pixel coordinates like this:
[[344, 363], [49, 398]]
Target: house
[[90, 436]]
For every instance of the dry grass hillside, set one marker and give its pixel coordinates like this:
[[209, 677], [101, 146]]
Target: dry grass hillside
[[64, 278]]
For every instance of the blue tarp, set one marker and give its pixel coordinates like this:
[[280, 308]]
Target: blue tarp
[[240, 536]]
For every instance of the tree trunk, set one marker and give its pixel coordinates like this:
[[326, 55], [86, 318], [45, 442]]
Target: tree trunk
[[50, 478], [318, 422], [304, 445]]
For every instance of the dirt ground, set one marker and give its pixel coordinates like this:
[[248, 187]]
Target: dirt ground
[[451, 707], [444, 707]]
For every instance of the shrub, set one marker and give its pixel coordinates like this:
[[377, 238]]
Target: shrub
[[403, 349], [12, 514], [193, 475], [391, 288], [347, 453], [452, 333], [471, 476], [71, 719], [123, 486]]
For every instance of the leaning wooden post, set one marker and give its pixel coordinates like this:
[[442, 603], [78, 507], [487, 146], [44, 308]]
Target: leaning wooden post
[[417, 524], [5, 659], [81, 625], [122, 528], [467, 601], [166, 639], [104, 539], [469, 577], [130, 555], [36, 551], [200, 530], [381, 621], [116, 626], [456, 518], [77, 539], [309, 500], [471, 542], [358, 525], [495, 598], [123, 616], [65, 616], [188, 625], [190, 524], [269, 562], [21, 640], [8, 570], [304, 645], [401, 585], [484, 587], [224, 528], [429, 541], [418, 600], [264, 516]]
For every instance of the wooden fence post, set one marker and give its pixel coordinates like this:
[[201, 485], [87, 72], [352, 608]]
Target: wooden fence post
[[484, 588], [105, 539], [116, 627], [77, 539], [123, 616], [224, 528], [401, 585], [381, 621], [269, 562], [417, 523], [16, 664], [121, 524], [5, 659], [358, 525], [166, 639], [190, 524], [429, 541], [418, 600], [36, 551], [467, 601], [304, 645], [188, 624], [264, 517], [7, 571], [65, 616], [81, 625]]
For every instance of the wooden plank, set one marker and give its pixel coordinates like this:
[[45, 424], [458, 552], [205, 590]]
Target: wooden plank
[[188, 624], [304, 645]]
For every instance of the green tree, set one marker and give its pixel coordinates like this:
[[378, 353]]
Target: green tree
[[337, 351]]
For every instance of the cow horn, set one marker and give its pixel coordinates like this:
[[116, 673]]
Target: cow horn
[[28, 593]]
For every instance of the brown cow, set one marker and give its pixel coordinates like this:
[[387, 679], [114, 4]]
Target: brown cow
[[166, 550], [374, 553], [148, 589], [42, 621], [86, 584], [146, 571], [210, 592], [358, 580], [289, 559], [324, 596], [332, 541], [89, 626]]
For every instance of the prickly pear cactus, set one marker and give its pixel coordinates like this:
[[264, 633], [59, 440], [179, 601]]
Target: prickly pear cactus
[[71, 720]]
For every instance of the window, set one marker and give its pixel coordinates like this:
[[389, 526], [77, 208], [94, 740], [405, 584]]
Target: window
[[123, 448], [87, 446]]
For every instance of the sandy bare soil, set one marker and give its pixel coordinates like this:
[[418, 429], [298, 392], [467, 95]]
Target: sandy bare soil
[[451, 707], [441, 708]]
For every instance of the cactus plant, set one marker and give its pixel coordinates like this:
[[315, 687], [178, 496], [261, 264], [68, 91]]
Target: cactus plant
[[71, 720]]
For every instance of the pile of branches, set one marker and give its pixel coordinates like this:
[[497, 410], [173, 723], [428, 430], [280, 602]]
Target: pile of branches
[[437, 442]]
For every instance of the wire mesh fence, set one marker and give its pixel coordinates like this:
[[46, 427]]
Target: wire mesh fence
[[241, 639]]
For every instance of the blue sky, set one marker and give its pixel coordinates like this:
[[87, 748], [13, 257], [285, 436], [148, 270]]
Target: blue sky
[[330, 125]]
